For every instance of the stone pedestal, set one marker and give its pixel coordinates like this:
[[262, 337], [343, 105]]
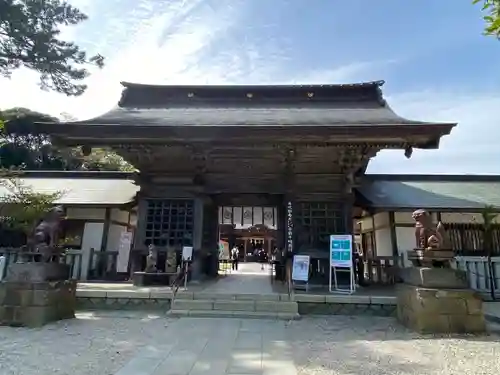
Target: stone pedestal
[[37, 272], [34, 304], [437, 300], [34, 294]]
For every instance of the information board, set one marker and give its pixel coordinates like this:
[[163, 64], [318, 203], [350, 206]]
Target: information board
[[300, 268], [341, 263], [187, 253], [341, 251]]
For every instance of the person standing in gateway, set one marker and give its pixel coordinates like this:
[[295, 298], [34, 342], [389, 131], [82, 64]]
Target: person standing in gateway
[[235, 252]]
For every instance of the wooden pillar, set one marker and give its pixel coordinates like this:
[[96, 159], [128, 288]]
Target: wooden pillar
[[394, 237]]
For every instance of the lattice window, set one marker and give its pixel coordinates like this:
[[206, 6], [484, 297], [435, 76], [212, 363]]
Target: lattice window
[[314, 223], [169, 222]]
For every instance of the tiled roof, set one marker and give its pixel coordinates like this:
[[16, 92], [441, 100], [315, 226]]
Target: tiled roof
[[430, 192]]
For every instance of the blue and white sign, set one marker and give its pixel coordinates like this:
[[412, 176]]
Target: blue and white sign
[[300, 268], [341, 262], [341, 251]]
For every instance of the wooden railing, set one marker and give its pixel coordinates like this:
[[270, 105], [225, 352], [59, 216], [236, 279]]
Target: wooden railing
[[379, 270], [103, 266]]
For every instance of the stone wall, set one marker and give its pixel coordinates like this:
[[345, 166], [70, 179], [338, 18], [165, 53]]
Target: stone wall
[[34, 304]]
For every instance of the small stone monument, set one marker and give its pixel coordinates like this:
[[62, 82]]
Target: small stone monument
[[434, 298], [151, 259], [151, 274], [171, 261], [37, 289]]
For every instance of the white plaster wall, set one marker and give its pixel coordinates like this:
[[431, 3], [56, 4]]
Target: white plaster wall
[[462, 218], [114, 234], [119, 215], [406, 241], [92, 238], [403, 218], [366, 223], [381, 219], [133, 219], [85, 213], [383, 242]]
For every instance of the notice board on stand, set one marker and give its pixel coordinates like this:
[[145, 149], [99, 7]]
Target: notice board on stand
[[341, 261]]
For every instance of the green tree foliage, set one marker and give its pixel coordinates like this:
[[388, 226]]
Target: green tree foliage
[[22, 208], [22, 147], [491, 10], [30, 37]]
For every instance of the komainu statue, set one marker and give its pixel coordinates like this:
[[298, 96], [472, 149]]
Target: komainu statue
[[46, 234], [427, 235]]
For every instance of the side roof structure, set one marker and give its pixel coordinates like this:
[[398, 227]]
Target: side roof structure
[[433, 192], [82, 188], [379, 192]]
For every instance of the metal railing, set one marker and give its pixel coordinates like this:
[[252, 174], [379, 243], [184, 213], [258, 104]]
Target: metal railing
[[179, 281]]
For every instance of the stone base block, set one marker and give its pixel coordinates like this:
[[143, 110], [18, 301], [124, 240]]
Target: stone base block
[[34, 304], [37, 272], [429, 277], [433, 310]]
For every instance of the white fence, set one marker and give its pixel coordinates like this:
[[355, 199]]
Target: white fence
[[478, 273]]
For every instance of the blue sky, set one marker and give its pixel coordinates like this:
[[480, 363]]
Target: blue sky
[[436, 63]]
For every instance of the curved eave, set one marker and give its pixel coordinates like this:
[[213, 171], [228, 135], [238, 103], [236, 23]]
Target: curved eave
[[425, 135]]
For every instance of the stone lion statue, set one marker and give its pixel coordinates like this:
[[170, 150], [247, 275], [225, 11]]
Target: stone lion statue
[[427, 235], [46, 234]]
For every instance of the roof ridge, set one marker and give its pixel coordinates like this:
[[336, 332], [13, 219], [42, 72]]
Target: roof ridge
[[377, 83]]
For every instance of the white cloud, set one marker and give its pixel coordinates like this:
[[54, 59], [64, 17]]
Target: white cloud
[[149, 44], [470, 148]]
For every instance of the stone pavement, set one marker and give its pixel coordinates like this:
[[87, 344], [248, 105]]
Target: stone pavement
[[249, 279], [121, 343], [217, 347]]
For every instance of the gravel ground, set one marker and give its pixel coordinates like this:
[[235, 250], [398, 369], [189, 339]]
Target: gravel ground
[[100, 345], [364, 345]]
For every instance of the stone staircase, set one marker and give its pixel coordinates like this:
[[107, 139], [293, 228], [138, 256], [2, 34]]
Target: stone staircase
[[271, 306]]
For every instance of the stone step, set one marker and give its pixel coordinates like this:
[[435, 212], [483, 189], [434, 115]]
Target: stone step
[[273, 307], [232, 314], [237, 296]]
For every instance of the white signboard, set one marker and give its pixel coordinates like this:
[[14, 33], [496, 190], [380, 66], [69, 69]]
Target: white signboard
[[124, 252], [300, 268], [187, 253], [341, 262]]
